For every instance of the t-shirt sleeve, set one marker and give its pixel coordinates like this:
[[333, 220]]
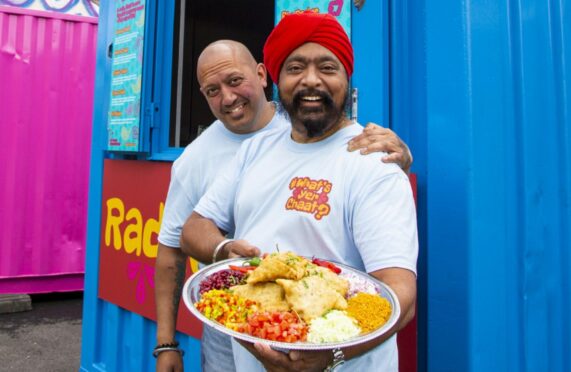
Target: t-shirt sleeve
[[218, 202], [384, 222], [178, 207]]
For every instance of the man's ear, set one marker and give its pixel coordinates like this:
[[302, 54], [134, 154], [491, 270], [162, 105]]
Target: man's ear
[[262, 74]]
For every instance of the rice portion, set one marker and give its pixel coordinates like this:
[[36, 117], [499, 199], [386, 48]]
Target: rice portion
[[335, 326]]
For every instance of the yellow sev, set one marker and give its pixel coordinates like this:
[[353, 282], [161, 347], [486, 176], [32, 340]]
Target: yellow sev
[[371, 311]]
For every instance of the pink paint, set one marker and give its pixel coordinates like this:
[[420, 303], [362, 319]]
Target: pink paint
[[335, 7], [144, 275], [47, 69]]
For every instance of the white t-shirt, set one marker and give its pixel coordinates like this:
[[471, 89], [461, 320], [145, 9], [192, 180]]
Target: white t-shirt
[[319, 200], [196, 169], [191, 175]]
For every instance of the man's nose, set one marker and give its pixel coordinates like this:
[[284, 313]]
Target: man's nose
[[228, 96], [311, 77]]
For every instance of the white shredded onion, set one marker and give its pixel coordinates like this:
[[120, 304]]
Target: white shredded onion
[[335, 326]]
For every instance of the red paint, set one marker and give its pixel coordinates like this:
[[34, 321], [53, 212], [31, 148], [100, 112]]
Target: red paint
[[126, 272], [407, 337]]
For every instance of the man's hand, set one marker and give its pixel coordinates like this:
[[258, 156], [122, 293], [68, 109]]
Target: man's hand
[[376, 138], [298, 361], [169, 361], [241, 248]]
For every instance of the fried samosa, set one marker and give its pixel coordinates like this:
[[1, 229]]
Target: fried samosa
[[278, 266], [270, 296], [311, 297], [334, 281]]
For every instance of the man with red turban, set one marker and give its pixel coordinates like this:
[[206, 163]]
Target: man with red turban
[[298, 189], [303, 28]]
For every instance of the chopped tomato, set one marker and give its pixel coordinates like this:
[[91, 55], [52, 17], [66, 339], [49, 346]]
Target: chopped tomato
[[276, 326]]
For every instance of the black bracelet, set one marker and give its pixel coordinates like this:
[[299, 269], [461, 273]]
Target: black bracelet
[[171, 344]]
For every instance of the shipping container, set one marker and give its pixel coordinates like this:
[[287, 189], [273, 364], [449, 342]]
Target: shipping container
[[47, 71], [479, 92]]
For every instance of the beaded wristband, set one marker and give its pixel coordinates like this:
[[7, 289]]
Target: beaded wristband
[[169, 344]]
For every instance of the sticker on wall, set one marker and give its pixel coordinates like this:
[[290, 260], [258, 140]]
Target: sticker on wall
[[127, 66], [340, 9]]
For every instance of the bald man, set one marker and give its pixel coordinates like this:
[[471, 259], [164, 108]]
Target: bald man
[[233, 84]]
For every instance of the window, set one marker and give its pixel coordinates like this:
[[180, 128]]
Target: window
[[197, 24]]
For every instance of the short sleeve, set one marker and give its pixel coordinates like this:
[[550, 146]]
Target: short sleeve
[[384, 222], [178, 207], [218, 202]]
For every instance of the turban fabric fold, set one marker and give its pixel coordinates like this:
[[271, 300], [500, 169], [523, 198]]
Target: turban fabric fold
[[296, 29]]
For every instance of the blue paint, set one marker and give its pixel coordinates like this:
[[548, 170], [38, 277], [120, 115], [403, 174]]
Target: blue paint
[[479, 90], [113, 339], [370, 40], [497, 186], [407, 117], [162, 73], [448, 141], [147, 94]]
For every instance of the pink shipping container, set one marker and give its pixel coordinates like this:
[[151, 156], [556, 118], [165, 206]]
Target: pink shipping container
[[47, 65]]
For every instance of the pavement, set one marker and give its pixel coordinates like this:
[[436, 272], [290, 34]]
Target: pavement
[[46, 338]]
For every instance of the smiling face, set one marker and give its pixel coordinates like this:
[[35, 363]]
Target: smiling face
[[233, 84], [313, 90]]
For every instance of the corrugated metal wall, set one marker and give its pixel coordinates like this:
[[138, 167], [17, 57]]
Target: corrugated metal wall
[[479, 90], [497, 183], [47, 65], [114, 339]]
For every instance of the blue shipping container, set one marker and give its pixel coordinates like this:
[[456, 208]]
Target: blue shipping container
[[479, 90]]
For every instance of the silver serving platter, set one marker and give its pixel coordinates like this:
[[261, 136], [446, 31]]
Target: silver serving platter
[[191, 296]]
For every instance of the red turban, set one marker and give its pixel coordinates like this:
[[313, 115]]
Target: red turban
[[297, 29]]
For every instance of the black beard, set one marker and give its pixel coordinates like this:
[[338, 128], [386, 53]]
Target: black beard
[[315, 126]]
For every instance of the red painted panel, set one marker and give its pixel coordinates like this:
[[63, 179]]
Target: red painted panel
[[133, 200], [407, 337]]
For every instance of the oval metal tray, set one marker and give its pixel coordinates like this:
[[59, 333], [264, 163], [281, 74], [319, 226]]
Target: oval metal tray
[[191, 296]]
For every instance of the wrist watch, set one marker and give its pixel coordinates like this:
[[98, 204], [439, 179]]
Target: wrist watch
[[338, 359]]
